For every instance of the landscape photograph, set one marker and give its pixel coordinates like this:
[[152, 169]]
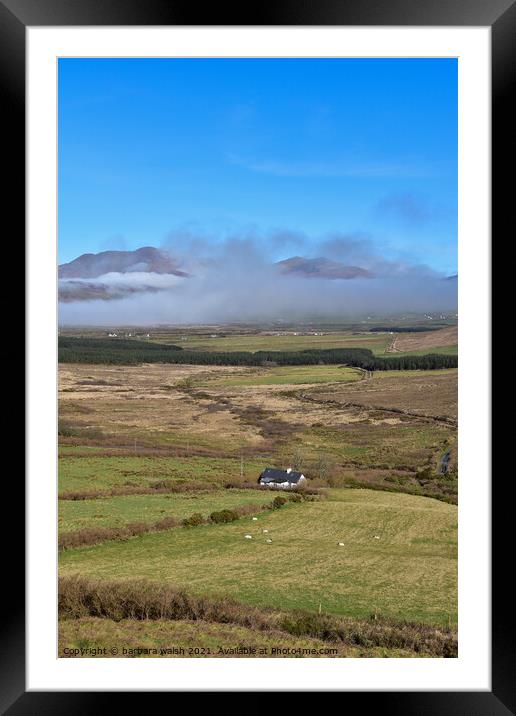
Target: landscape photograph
[[258, 358]]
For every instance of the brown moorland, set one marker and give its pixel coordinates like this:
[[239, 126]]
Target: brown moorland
[[408, 342]]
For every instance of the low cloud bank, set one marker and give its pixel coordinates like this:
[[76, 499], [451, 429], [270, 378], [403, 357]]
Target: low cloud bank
[[236, 281], [114, 285]]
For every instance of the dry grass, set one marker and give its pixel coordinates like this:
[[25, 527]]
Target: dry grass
[[149, 408], [224, 421], [413, 342], [431, 393], [91, 637]]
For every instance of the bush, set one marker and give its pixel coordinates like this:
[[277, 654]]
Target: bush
[[312, 491], [194, 520], [425, 474], [65, 429], [165, 524], [224, 516], [278, 502], [245, 510], [295, 497]]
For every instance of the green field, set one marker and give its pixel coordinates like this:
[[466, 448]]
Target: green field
[[122, 510], [377, 342], [409, 572], [82, 474]]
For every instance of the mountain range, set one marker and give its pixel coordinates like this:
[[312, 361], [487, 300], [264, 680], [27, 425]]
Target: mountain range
[[115, 274]]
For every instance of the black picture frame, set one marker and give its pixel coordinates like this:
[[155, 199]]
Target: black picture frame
[[500, 15]]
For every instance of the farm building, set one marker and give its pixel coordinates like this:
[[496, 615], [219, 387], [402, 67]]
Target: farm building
[[283, 479]]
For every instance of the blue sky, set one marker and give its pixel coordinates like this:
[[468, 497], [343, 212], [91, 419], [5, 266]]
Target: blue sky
[[155, 148]]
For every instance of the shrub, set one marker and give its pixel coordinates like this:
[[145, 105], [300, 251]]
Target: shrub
[[223, 516], [65, 429], [194, 520], [295, 497], [425, 474], [165, 524], [278, 502], [307, 492], [244, 510]]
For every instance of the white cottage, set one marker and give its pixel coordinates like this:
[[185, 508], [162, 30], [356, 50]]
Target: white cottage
[[283, 479]]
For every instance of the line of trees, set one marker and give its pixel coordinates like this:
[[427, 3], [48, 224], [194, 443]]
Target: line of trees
[[117, 351]]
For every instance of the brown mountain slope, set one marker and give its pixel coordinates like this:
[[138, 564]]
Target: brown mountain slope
[[147, 259]]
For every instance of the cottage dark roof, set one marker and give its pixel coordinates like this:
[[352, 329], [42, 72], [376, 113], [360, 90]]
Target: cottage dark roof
[[270, 475]]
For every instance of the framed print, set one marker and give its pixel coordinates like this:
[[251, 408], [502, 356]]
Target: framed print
[[258, 369]]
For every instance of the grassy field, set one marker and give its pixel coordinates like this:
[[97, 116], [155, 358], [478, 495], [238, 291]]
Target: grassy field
[[122, 510], [82, 472], [451, 350], [409, 572], [443, 340], [377, 342], [440, 341]]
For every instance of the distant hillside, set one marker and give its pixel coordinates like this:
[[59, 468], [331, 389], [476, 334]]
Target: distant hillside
[[321, 267], [145, 260]]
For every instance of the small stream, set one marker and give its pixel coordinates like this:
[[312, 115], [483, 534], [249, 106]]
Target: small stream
[[445, 463]]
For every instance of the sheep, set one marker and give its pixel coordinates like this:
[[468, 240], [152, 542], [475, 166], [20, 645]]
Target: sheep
[[255, 519], [341, 544], [249, 537], [376, 537], [265, 532], [269, 541]]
